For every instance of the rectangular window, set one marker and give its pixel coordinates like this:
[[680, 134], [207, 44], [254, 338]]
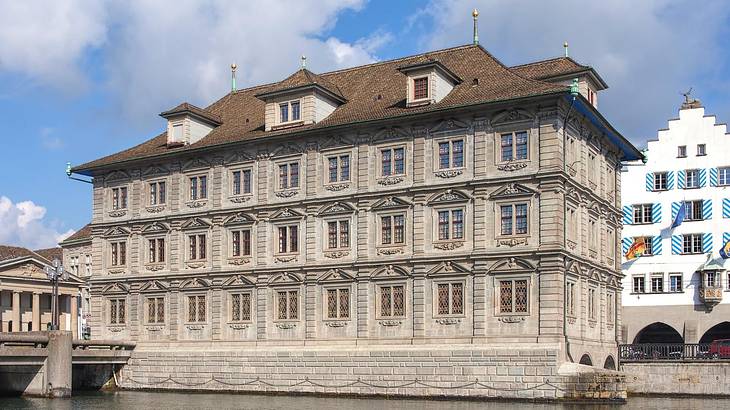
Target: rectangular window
[[638, 285], [513, 219], [156, 310], [287, 304], [610, 307], [682, 151], [295, 112], [642, 214], [648, 242], [592, 304], [338, 303], [657, 284], [338, 234], [339, 168], [241, 180], [392, 301], [420, 88], [118, 253], [692, 179], [723, 176], [392, 161], [451, 224], [701, 150], [675, 282], [289, 175], [177, 133], [570, 299], [198, 187], [88, 265], [241, 243], [241, 307], [450, 298], [712, 279], [156, 250], [284, 112], [451, 154], [693, 210], [692, 243], [117, 311], [392, 229], [513, 296], [119, 198], [514, 146], [660, 181], [197, 245], [196, 309], [289, 239], [157, 193]]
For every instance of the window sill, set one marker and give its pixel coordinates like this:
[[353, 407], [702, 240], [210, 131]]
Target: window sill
[[692, 187], [701, 155], [419, 103], [289, 124]]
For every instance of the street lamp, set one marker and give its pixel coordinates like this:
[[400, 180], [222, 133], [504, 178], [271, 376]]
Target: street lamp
[[55, 273]]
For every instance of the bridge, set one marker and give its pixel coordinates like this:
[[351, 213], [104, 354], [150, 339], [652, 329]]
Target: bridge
[[52, 363]]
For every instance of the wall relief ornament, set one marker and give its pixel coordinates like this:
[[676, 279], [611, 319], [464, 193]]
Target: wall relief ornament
[[196, 204], [239, 261], [154, 328], [286, 326], [155, 268], [238, 326], [389, 251], [240, 199], [390, 323], [336, 254], [386, 181], [117, 214], [115, 329], [448, 246], [451, 173], [337, 187], [511, 242], [338, 323], [195, 327], [512, 319], [195, 265], [285, 259], [448, 321], [511, 166], [286, 194], [116, 271], [155, 209]]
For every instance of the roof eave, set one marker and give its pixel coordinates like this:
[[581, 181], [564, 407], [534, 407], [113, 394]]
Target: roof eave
[[628, 150], [270, 94]]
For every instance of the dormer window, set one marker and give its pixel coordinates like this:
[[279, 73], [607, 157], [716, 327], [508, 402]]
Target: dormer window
[[428, 82], [289, 112], [420, 88], [177, 133], [187, 124]]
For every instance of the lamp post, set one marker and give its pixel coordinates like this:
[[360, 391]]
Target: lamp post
[[55, 273]]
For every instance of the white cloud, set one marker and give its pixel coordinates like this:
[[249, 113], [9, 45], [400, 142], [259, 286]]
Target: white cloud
[[22, 224], [647, 51], [50, 141], [47, 40]]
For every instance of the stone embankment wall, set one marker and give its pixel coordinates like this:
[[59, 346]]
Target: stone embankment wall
[[676, 378], [433, 371]]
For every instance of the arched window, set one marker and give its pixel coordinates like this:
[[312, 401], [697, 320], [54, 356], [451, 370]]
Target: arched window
[[719, 331], [610, 364], [586, 360]]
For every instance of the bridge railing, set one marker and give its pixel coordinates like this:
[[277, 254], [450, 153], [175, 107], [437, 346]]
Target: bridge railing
[[655, 352], [40, 339], [82, 344]]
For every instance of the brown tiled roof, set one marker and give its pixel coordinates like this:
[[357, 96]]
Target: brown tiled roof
[[373, 92], [190, 108], [555, 67], [303, 78], [50, 253], [12, 252], [83, 233]]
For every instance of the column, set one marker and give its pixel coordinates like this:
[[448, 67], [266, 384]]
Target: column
[[74, 316], [17, 327], [37, 311]]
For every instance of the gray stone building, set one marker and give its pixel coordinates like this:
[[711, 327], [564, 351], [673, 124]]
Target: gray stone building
[[434, 203]]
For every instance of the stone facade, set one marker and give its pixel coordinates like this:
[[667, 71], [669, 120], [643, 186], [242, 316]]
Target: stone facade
[[677, 378]]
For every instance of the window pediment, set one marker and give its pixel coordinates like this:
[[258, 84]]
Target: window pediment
[[195, 283], [155, 170], [155, 227], [512, 115], [115, 288], [512, 265], [447, 268], [239, 218], [286, 214], [447, 197], [449, 127], [337, 208], [390, 202], [116, 231], [389, 272], [238, 281], [240, 156], [118, 175], [196, 163], [512, 190], [286, 278], [153, 286], [390, 133], [195, 223], [335, 275]]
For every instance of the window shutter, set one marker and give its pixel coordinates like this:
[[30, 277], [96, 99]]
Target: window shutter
[[670, 180], [675, 210], [656, 245], [628, 214], [626, 244], [681, 179], [707, 209], [656, 213], [726, 207], [725, 238], [713, 176], [676, 244], [707, 243], [649, 182], [703, 177]]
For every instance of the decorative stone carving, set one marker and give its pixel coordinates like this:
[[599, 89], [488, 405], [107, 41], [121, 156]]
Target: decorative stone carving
[[238, 326], [449, 173], [155, 209], [571, 320], [390, 323], [448, 246], [336, 323], [194, 327], [511, 166], [239, 261], [386, 181], [591, 323], [571, 244], [512, 242], [154, 328], [195, 265], [115, 329], [116, 271], [117, 214], [155, 268], [337, 187], [572, 170], [240, 199], [592, 185], [448, 321], [592, 253], [390, 251], [286, 325], [196, 204], [512, 319], [285, 194], [285, 259], [336, 254]]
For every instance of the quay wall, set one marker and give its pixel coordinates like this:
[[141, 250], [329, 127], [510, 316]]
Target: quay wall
[[677, 378], [531, 372]]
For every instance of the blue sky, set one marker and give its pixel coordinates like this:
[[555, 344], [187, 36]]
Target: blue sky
[[80, 80]]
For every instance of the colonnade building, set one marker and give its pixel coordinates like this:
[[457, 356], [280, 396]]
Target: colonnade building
[[440, 199]]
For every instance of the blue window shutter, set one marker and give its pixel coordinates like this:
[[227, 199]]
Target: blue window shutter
[[681, 179], [656, 245], [649, 182], [626, 244], [725, 238], [676, 244], [703, 177], [675, 210], [670, 180], [656, 213], [707, 209], [713, 176], [706, 243], [628, 214], [726, 207]]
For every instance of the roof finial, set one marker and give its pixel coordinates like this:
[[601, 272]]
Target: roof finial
[[475, 15], [304, 61], [233, 77], [565, 47]]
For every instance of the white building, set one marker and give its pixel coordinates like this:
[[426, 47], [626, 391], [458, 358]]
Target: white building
[[676, 291]]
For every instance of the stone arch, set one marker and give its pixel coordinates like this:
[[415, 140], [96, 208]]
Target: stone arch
[[658, 332], [586, 360], [610, 363], [719, 331]]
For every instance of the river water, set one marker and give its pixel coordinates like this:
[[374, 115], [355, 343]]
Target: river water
[[178, 401]]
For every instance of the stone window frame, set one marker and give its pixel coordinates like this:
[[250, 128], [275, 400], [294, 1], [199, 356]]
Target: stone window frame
[[246, 166], [197, 233], [119, 186], [573, 228], [571, 298], [513, 127], [435, 282], [610, 307], [338, 153], [148, 192], [146, 308], [186, 302], [300, 160], [450, 207], [379, 231], [412, 82], [337, 286], [338, 219], [392, 147], [391, 283], [189, 189], [450, 137], [513, 133], [274, 298], [239, 222], [110, 245], [230, 231], [513, 203], [593, 175], [498, 278], [146, 247], [109, 307], [242, 290], [592, 303], [289, 121]]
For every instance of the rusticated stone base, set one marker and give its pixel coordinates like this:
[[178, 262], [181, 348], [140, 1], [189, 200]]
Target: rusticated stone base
[[530, 373], [678, 378]]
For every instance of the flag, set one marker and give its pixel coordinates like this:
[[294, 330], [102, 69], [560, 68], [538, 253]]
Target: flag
[[680, 216], [725, 250], [636, 250]]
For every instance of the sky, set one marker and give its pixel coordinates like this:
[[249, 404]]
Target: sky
[[83, 79]]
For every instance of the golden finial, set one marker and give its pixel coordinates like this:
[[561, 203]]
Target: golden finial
[[233, 76], [565, 47], [475, 13]]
